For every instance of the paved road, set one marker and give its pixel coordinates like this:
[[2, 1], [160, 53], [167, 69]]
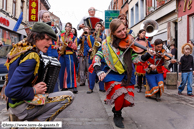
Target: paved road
[[88, 111]]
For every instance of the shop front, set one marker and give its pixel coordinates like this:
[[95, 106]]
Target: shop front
[[185, 22], [7, 35]]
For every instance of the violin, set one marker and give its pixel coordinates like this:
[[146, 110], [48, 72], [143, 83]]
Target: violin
[[167, 56], [138, 46]]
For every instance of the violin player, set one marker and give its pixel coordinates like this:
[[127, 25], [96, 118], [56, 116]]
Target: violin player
[[119, 83], [153, 65], [140, 72]]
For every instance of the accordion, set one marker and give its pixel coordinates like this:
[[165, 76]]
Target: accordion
[[91, 22], [49, 72]]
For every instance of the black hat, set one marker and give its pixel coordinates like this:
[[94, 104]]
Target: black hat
[[40, 27]]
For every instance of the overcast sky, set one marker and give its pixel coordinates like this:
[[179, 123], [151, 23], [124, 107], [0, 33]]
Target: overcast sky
[[73, 10]]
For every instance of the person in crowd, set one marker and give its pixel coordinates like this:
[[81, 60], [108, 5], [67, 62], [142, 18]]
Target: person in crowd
[[83, 55], [186, 69], [44, 16], [67, 74], [140, 72], [96, 37], [74, 31], [22, 88], [173, 51], [91, 12], [124, 19], [153, 67]]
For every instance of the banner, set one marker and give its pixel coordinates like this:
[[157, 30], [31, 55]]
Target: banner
[[18, 22], [109, 16], [33, 10]]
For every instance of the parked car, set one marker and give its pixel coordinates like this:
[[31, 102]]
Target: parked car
[[4, 50]]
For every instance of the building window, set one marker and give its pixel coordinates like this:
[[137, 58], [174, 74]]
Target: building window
[[4, 4], [142, 9], [22, 6], [14, 8], [137, 12], [132, 17]]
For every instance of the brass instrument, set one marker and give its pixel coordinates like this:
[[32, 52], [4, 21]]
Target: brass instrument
[[81, 50], [64, 44], [151, 27], [96, 45]]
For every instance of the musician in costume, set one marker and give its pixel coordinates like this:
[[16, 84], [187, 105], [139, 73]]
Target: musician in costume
[[44, 16], [67, 74], [95, 39], [140, 72], [83, 55], [22, 87], [74, 31], [153, 67], [91, 12], [119, 82]]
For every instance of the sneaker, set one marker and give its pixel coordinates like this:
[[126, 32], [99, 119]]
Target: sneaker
[[179, 93], [190, 94]]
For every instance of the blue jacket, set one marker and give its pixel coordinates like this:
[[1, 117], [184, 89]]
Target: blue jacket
[[19, 85]]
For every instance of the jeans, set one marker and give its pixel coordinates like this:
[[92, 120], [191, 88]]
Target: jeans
[[187, 76]]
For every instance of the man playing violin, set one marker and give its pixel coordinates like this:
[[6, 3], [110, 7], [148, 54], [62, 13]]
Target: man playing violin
[[153, 61]]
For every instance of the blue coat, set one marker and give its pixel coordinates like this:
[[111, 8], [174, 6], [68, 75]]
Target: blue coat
[[19, 85]]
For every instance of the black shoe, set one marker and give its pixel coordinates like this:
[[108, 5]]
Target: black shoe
[[102, 90], [179, 93], [190, 94], [75, 90], [118, 118], [64, 89], [157, 96], [90, 91], [83, 84]]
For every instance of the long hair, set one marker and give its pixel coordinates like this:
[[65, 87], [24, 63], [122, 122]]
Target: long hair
[[115, 23], [75, 32], [140, 31]]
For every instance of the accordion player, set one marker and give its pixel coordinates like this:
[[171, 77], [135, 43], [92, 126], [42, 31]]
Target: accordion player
[[91, 22], [49, 71]]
